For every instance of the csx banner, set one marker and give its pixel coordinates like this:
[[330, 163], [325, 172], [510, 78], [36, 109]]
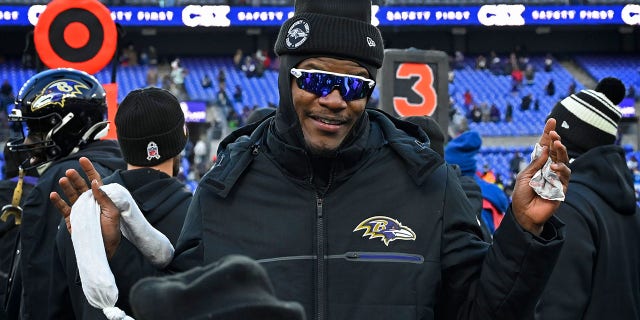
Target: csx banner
[[238, 16], [414, 83]]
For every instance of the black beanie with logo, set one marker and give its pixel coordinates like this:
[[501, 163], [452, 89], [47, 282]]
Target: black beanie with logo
[[333, 28], [589, 118], [151, 127]]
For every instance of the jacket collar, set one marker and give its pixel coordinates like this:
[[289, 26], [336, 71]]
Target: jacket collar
[[298, 162], [405, 139]]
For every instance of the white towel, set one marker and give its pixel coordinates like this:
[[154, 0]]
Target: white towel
[[98, 283]]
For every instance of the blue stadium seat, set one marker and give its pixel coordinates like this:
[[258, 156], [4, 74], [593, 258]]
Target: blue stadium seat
[[625, 68]]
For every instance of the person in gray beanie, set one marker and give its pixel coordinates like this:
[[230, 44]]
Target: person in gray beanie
[[151, 133], [348, 210], [597, 273]]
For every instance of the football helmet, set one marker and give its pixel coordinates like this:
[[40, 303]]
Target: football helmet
[[56, 112]]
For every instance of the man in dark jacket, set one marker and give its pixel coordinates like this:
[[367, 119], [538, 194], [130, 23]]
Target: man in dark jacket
[[65, 113], [597, 273], [350, 215], [151, 133]]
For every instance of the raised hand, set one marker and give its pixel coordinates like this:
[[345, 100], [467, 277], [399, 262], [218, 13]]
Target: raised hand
[[530, 210], [109, 219], [73, 185]]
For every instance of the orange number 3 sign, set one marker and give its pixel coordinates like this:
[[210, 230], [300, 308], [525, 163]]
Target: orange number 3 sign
[[423, 87]]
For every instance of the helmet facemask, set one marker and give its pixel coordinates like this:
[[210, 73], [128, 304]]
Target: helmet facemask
[[33, 141]]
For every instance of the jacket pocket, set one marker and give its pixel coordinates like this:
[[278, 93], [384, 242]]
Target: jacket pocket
[[381, 285], [359, 256]]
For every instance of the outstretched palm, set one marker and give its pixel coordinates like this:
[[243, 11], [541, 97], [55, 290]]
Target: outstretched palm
[[73, 185]]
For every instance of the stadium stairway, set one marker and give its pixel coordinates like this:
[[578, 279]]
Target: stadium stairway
[[580, 74]]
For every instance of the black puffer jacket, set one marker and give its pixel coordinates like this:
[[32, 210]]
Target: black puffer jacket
[[392, 236]]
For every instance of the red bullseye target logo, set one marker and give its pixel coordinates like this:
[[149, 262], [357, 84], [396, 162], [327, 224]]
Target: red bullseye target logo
[[78, 34]]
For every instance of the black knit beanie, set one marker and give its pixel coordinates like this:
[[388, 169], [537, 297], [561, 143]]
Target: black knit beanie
[[589, 118], [151, 127], [333, 28], [232, 288]]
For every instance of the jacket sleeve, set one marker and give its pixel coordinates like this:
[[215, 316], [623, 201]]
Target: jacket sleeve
[[190, 247], [128, 266], [60, 306], [567, 294], [474, 194], [501, 281]]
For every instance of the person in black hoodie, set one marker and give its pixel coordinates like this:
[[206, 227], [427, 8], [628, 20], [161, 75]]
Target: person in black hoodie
[[597, 273], [346, 208], [65, 112], [152, 133]]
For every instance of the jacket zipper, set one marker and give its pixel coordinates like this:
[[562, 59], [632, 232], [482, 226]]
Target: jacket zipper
[[321, 285], [320, 276]]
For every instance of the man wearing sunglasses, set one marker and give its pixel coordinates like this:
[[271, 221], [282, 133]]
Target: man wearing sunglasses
[[348, 209]]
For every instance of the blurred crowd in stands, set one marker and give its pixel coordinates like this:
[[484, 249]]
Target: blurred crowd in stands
[[522, 73]]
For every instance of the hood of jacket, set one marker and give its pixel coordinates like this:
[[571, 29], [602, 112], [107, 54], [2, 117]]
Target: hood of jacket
[[462, 150], [158, 193], [604, 170]]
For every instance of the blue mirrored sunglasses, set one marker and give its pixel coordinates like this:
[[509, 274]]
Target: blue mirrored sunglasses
[[322, 83]]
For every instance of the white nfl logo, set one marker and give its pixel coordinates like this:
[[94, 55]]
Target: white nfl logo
[[152, 151]]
